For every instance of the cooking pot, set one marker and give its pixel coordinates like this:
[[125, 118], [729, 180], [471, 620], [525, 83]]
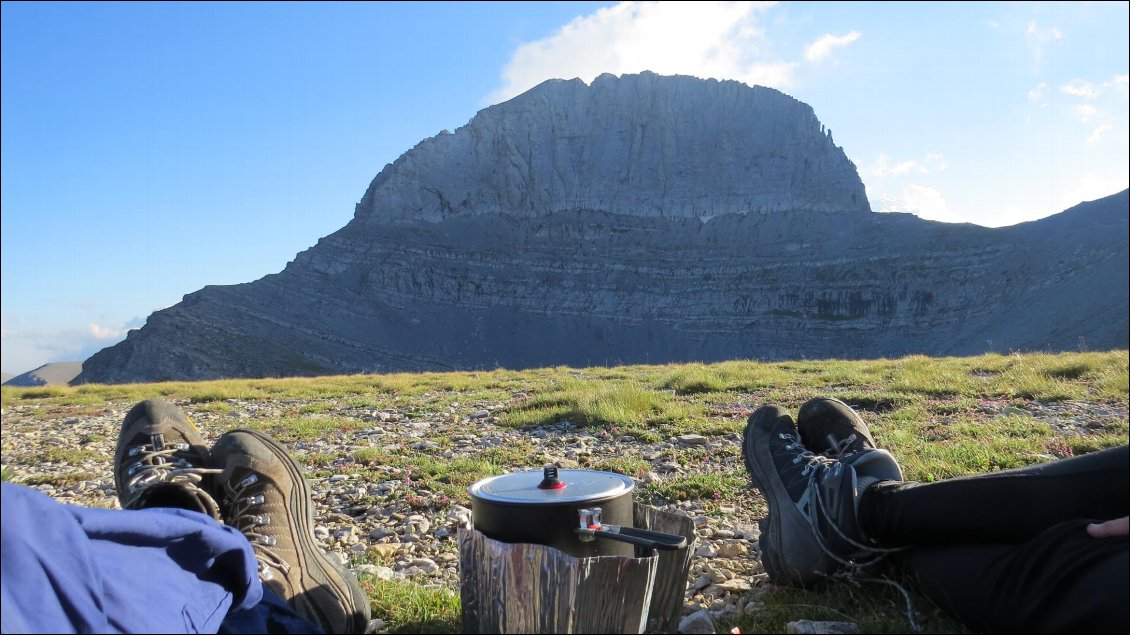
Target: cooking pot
[[584, 513]]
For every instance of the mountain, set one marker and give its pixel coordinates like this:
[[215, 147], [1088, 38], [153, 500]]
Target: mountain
[[54, 374], [640, 219]]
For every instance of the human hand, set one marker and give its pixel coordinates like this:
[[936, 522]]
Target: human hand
[[1110, 529]]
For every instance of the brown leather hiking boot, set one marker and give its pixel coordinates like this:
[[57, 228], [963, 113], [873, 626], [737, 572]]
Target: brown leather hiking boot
[[266, 498], [161, 461]]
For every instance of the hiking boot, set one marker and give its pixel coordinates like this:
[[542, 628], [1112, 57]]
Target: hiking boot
[[830, 427], [161, 461], [812, 531], [266, 498]]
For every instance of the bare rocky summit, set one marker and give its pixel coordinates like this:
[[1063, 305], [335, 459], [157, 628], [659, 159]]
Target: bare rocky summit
[[640, 219], [53, 374]]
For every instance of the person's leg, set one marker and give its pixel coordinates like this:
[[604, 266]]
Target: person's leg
[[1006, 506], [1010, 506], [1061, 581], [148, 568], [70, 569], [271, 615], [1006, 551], [161, 461]]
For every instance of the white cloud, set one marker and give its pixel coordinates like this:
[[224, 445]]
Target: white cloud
[[1037, 34], [935, 162], [822, 48], [720, 40], [1037, 39], [922, 201], [883, 167], [100, 332], [1037, 94], [1080, 88], [28, 348], [1097, 133], [1087, 90], [1085, 112], [1100, 99]]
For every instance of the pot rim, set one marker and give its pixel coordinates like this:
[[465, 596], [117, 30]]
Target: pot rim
[[552, 497]]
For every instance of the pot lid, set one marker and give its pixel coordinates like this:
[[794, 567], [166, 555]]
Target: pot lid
[[546, 487]]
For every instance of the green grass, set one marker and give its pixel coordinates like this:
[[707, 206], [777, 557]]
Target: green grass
[[877, 608], [410, 608], [63, 455], [299, 428], [1036, 376], [620, 407], [446, 480], [43, 393], [710, 487], [942, 417], [60, 480]]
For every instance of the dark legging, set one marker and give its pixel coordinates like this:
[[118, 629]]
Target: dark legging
[[1009, 551]]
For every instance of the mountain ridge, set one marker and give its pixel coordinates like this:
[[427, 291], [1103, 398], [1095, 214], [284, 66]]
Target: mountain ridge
[[50, 374], [455, 259]]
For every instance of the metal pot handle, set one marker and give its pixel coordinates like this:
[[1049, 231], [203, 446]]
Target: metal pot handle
[[642, 537], [591, 527]]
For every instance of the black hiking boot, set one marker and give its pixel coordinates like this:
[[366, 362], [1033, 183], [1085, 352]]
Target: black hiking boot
[[830, 427], [162, 461], [267, 499], [811, 533]]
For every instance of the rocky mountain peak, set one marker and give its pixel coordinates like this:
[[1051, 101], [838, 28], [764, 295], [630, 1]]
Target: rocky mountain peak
[[639, 145]]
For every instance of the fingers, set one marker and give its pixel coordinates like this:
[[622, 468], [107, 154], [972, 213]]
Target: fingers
[[1110, 529]]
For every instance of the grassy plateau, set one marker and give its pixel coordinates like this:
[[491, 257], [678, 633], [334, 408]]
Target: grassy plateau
[[941, 417]]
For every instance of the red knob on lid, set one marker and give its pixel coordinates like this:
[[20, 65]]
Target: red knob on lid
[[551, 481]]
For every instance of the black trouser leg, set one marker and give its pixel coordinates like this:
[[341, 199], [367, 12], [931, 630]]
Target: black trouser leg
[[999, 507], [1061, 581], [1008, 551]]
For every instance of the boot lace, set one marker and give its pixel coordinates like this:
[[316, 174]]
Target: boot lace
[[158, 463], [245, 516], [837, 448]]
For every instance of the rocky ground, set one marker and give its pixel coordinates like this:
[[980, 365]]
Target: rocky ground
[[410, 533], [390, 528]]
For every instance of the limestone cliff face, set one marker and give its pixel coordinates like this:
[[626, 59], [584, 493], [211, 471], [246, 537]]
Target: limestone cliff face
[[640, 219], [640, 145]]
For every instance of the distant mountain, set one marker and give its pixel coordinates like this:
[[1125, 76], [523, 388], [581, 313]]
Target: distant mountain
[[641, 219], [54, 374]]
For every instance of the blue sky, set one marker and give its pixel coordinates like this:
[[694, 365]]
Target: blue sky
[[149, 150]]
